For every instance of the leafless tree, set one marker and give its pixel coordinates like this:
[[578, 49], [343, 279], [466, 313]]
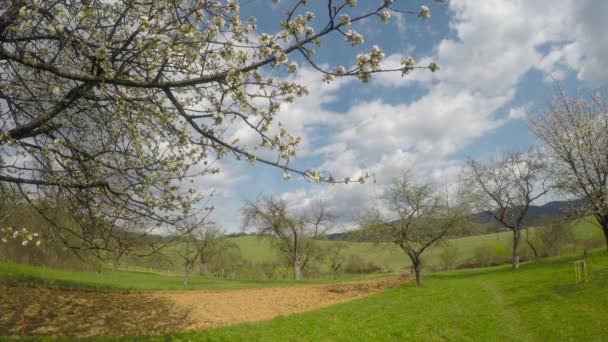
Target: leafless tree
[[505, 189], [295, 236], [336, 257], [575, 130], [211, 243], [189, 243], [418, 217]]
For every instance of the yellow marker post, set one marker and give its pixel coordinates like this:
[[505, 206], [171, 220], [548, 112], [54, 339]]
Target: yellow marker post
[[580, 271]]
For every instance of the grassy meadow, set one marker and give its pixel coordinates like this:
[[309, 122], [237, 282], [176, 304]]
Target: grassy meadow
[[144, 281], [539, 302]]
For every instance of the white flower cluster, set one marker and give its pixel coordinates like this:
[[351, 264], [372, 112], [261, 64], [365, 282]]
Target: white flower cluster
[[22, 234], [354, 38], [367, 62], [408, 65]]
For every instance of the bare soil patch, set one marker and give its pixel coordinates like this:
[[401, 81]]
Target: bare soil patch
[[86, 313], [208, 309]]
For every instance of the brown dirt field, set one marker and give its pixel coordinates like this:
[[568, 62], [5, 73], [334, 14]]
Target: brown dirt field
[[86, 313], [208, 309]]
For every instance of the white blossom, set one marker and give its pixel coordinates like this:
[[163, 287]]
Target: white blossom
[[385, 16], [354, 38], [433, 66], [424, 12], [345, 19]]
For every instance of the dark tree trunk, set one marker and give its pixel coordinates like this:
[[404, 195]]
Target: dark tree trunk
[[516, 239], [603, 221], [418, 271]]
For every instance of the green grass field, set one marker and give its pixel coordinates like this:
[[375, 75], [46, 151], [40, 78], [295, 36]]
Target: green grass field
[[135, 280], [539, 302]]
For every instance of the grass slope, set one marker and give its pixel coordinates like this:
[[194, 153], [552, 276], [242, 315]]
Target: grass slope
[[539, 302], [132, 280]]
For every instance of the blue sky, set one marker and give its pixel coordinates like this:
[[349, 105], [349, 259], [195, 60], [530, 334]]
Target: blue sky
[[498, 59]]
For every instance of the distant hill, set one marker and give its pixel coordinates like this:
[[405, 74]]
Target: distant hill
[[536, 214], [336, 236]]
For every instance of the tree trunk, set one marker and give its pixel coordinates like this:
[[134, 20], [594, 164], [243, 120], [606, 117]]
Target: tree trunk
[[186, 273], [605, 229], [116, 262], [418, 271], [516, 239], [203, 260], [297, 271]]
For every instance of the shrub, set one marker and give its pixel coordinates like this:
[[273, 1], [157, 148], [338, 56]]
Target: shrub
[[357, 265], [489, 254], [448, 256], [553, 239]]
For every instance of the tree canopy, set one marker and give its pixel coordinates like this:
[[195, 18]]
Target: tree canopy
[[111, 107]]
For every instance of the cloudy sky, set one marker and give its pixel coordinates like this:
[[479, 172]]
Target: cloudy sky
[[498, 59]]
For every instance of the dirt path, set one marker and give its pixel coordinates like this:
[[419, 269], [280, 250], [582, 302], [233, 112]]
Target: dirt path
[[85, 313], [508, 311]]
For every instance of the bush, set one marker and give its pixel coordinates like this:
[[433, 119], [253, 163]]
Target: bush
[[448, 256], [357, 265], [553, 239], [489, 254]]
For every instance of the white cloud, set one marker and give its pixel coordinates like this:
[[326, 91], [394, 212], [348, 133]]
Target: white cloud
[[517, 113]]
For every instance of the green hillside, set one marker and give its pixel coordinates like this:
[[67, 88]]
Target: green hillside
[[137, 280]]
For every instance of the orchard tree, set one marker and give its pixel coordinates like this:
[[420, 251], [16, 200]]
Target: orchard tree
[[418, 216], [115, 105], [191, 243], [294, 236], [335, 257], [505, 189], [575, 130], [211, 244]]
